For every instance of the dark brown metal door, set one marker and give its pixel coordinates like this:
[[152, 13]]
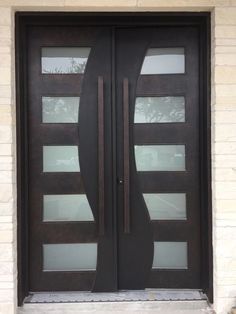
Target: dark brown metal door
[[113, 193], [158, 111], [70, 194]]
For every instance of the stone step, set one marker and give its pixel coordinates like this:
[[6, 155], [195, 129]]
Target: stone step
[[139, 307]]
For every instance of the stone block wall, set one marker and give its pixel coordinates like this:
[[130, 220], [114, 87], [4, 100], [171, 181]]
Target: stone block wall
[[223, 62]]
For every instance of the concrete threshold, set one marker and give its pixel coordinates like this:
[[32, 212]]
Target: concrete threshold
[[141, 307]]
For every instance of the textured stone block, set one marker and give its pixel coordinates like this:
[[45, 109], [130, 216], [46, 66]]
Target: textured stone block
[[6, 269], [5, 59], [183, 3], [6, 208], [6, 177], [225, 91], [7, 308], [5, 92], [6, 236], [226, 74], [225, 206], [227, 116], [5, 149], [32, 3], [5, 32], [102, 3], [225, 41], [6, 252], [5, 77], [5, 16], [5, 134], [225, 133], [225, 16], [6, 295], [225, 32], [226, 174], [6, 192], [225, 59], [6, 163]]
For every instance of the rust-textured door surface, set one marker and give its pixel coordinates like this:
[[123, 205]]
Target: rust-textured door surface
[[114, 158]]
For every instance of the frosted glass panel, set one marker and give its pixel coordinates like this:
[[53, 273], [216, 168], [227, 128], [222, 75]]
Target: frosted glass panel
[[164, 61], [60, 109], [60, 159], [159, 109], [70, 257], [170, 255], [166, 206], [59, 60], [67, 207], [160, 157]]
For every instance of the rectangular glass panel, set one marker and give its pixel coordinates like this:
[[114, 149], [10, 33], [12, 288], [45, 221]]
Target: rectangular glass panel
[[70, 257], [164, 61], [170, 255], [63, 60], [60, 109], [159, 109], [166, 206], [60, 159], [160, 157], [66, 207]]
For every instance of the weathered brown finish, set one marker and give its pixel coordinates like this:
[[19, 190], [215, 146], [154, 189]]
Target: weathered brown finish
[[126, 156], [101, 179]]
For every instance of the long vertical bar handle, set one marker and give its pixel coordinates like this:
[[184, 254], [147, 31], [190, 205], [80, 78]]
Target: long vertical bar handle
[[101, 169], [126, 156]]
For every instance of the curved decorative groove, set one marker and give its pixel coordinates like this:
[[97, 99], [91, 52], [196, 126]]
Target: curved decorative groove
[[134, 268], [98, 65]]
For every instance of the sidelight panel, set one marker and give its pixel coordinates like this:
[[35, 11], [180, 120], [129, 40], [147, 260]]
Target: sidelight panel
[[70, 257], [67, 207], [159, 109], [164, 61], [170, 255], [64, 60], [60, 159], [60, 109], [160, 157], [166, 206]]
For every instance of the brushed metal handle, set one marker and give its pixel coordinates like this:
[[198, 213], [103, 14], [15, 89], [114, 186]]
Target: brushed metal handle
[[126, 170], [101, 168]]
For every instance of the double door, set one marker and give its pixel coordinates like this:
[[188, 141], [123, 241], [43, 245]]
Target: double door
[[114, 189]]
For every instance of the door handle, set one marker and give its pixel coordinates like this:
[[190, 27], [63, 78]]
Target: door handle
[[101, 168], [126, 170]]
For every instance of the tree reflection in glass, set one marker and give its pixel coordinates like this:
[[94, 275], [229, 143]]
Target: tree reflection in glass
[[64, 60], [60, 109], [159, 109]]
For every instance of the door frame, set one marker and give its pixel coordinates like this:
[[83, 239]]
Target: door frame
[[23, 20]]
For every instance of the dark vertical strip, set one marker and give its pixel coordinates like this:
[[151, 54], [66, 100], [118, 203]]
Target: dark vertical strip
[[22, 160], [205, 157], [126, 156], [114, 154], [101, 169]]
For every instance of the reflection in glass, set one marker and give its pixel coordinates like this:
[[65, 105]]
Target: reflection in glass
[[160, 157], [60, 159], [70, 257], [164, 61], [62, 60], [66, 207], [166, 206], [60, 109], [159, 109], [170, 255]]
